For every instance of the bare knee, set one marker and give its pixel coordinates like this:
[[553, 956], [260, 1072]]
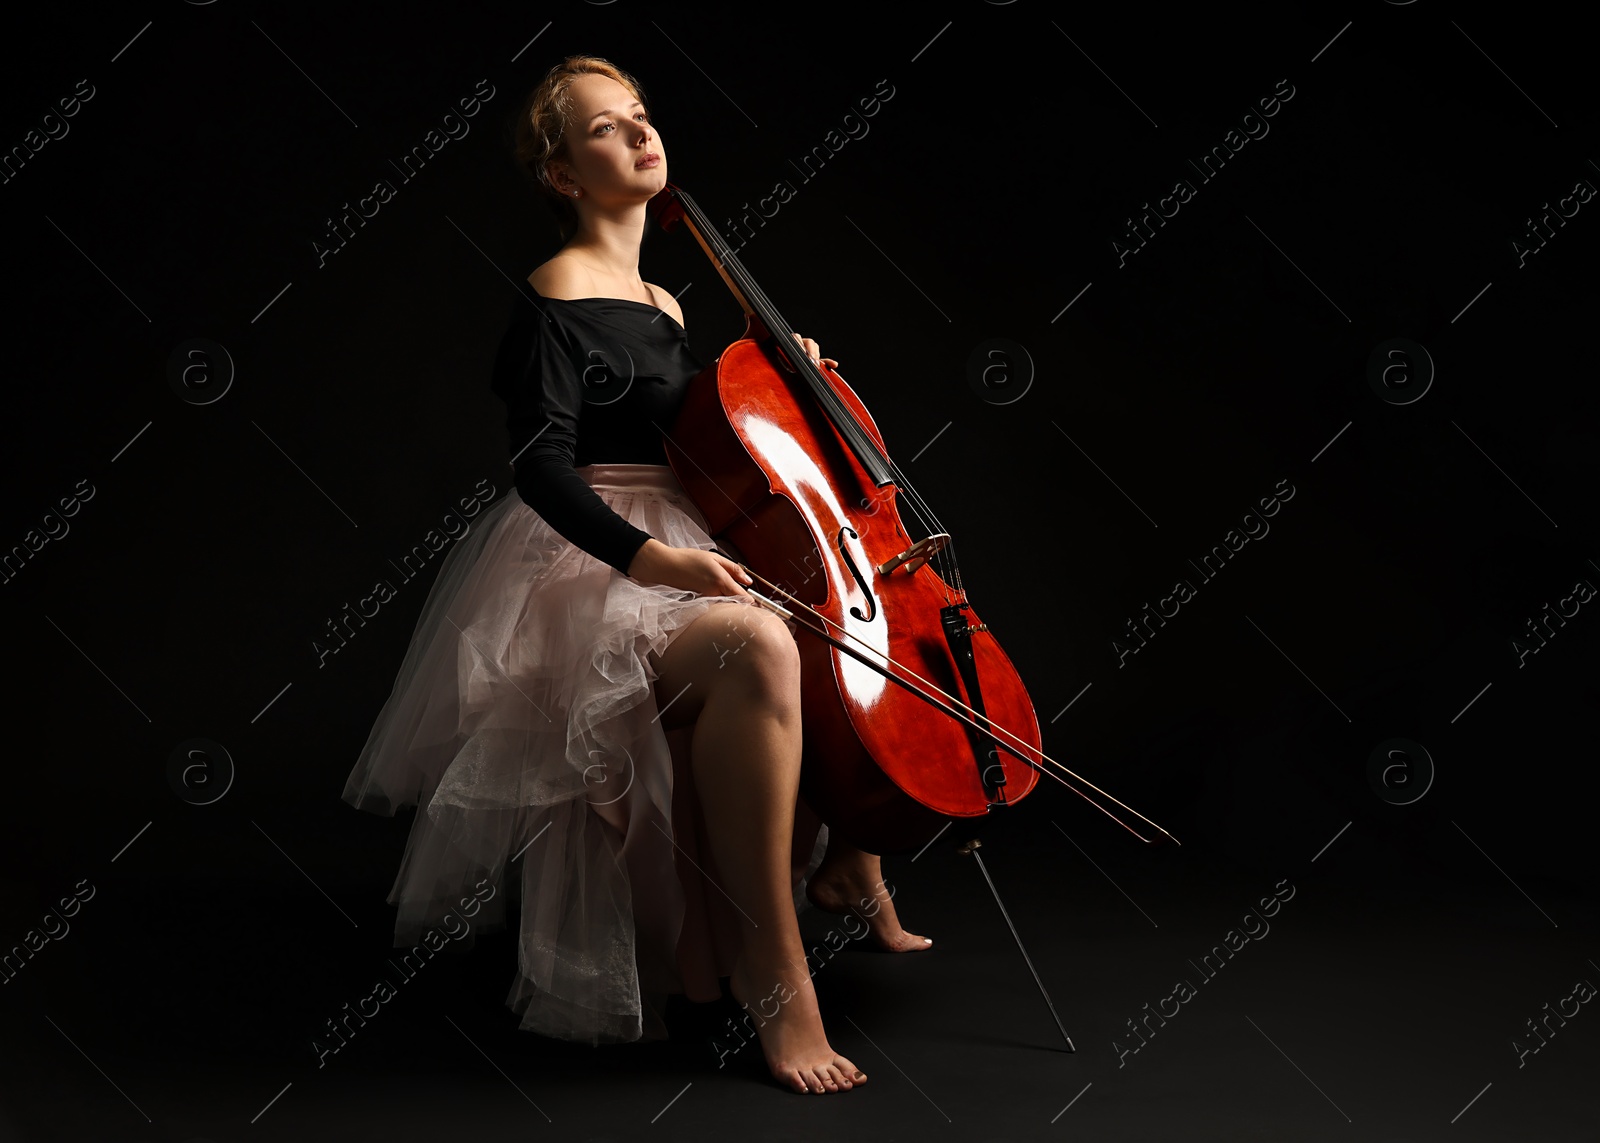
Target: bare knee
[[760, 663], [743, 652]]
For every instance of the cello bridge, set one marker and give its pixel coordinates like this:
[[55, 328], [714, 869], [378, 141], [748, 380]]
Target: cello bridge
[[916, 555]]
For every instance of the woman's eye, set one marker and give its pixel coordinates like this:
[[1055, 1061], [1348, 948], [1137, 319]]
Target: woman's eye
[[601, 129]]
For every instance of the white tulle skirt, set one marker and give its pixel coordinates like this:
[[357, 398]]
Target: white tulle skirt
[[523, 724]]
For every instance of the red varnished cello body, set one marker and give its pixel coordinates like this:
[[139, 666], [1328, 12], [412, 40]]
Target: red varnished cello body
[[768, 472], [913, 715]]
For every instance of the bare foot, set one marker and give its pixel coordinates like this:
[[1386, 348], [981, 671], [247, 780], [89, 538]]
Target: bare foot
[[841, 888], [789, 1024]]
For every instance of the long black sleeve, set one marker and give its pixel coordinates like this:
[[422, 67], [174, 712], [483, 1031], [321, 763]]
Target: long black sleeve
[[543, 392]]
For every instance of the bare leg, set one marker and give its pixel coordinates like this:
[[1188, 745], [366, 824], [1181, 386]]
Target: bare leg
[[850, 880], [806, 825], [735, 672]]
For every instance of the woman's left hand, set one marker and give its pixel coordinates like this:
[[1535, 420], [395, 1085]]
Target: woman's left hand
[[814, 351]]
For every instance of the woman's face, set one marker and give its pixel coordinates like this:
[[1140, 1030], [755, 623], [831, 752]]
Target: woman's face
[[608, 138]]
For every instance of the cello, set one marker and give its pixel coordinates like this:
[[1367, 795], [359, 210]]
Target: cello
[[795, 483]]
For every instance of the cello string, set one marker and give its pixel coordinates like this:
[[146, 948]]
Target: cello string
[[906, 486], [949, 570], [992, 726], [952, 576]]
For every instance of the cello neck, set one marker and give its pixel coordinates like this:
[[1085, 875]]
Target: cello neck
[[673, 205]]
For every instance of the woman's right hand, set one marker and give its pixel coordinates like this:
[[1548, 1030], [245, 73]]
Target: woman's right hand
[[691, 569]]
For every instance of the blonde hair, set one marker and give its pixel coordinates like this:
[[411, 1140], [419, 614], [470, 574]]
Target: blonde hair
[[540, 136]]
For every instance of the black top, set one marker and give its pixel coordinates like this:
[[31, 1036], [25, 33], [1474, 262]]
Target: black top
[[587, 381]]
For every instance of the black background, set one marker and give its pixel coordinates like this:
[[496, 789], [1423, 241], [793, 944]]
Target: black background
[[1179, 387]]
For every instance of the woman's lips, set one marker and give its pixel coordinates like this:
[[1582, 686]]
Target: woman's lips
[[651, 160]]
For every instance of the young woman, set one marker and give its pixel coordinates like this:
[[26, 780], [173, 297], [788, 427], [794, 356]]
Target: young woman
[[600, 726]]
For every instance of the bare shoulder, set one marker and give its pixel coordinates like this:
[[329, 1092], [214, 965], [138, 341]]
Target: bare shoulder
[[562, 277], [667, 302], [567, 279]]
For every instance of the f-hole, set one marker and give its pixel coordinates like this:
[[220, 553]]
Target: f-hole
[[872, 603]]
